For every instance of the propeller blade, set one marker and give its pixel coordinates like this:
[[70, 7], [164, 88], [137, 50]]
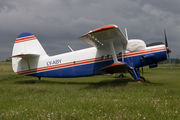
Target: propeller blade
[[167, 50], [166, 43], [170, 62]]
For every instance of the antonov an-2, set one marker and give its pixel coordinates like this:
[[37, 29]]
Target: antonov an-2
[[112, 52]]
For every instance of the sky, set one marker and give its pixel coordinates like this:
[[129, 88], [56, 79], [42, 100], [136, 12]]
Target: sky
[[59, 23]]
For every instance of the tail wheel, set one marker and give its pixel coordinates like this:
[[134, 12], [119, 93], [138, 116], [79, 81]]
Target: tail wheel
[[139, 80], [121, 76]]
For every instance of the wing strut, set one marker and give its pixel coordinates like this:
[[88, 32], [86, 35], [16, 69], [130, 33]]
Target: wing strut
[[122, 55], [123, 51], [126, 34], [113, 51]]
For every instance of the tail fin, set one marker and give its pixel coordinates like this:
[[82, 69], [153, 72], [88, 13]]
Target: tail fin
[[27, 43], [26, 52]]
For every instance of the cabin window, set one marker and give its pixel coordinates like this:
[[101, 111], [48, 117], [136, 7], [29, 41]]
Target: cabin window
[[102, 57], [154, 44], [120, 54], [108, 56]]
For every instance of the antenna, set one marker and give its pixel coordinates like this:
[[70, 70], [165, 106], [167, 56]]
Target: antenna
[[70, 48]]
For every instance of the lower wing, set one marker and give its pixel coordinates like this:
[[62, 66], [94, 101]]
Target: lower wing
[[115, 68]]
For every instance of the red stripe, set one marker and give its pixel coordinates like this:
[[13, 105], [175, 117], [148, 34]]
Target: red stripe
[[113, 65], [17, 55], [87, 61], [144, 51], [29, 38], [103, 28], [69, 64]]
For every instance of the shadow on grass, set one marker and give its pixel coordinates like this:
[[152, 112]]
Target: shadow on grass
[[112, 82], [148, 83], [26, 82], [105, 83]]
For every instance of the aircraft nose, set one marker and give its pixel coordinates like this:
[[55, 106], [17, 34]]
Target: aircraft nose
[[169, 50]]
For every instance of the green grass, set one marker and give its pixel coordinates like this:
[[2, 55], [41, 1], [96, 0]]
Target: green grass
[[89, 98]]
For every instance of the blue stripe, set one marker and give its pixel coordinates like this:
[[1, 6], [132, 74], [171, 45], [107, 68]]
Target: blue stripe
[[25, 34]]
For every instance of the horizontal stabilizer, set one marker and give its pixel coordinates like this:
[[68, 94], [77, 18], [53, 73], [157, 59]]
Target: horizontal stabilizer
[[119, 67], [27, 55]]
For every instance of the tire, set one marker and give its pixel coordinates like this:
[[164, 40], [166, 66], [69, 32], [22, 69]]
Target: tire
[[121, 76], [139, 80], [143, 78]]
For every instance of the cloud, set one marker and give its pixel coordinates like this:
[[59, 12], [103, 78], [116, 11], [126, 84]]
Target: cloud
[[57, 23]]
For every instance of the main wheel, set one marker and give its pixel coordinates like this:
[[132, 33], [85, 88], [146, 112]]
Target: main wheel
[[143, 78], [139, 80]]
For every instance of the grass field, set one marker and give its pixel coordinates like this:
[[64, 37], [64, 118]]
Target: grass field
[[90, 98]]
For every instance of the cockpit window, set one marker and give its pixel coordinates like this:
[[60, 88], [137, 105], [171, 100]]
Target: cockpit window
[[154, 44]]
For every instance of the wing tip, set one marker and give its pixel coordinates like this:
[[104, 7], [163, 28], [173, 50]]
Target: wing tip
[[103, 28]]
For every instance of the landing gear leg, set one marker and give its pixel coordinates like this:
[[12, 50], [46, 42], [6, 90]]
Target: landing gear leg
[[136, 75], [39, 79]]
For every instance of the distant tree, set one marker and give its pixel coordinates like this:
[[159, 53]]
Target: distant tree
[[167, 61], [163, 62], [8, 60], [177, 61]]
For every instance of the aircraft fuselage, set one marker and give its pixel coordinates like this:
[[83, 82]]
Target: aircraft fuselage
[[87, 62]]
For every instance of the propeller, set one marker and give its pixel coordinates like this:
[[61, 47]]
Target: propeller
[[168, 51]]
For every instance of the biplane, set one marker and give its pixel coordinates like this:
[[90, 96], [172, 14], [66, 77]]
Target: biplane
[[112, 52]]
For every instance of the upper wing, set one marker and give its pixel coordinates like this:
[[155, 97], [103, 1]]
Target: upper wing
[[99, 37]]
